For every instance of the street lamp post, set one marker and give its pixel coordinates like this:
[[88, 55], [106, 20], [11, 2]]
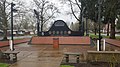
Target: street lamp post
[[38, 21], [12, 39], [99, 20], [38, 27]]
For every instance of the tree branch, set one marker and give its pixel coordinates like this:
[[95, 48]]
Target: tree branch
[[78, 5], [73, 11]]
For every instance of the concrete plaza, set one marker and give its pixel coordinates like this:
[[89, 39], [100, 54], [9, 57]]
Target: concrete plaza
[[45, 55]]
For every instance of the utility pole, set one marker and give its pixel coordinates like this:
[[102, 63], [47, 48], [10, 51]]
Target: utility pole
[[12, 39]]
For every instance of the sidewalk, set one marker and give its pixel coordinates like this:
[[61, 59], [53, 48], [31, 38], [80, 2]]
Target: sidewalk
[[6, 43]]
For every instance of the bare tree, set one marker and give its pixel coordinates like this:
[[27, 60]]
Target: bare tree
[[72, 8], [77, 10], [46, 10], [32, 21], [3, 15], [20, 16], [25, 18]]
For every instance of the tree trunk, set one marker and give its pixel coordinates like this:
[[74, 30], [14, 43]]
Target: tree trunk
[[95, 28], [41, 27], [4, 22], [5, 29], [95, 31], [108, 29], [5, 34], [112, 33]]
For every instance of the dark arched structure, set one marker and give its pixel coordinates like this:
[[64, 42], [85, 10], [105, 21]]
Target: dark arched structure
[[60, 28]]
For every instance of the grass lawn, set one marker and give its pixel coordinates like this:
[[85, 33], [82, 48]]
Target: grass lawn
[[118, 37], [66, 66], [4, 65]]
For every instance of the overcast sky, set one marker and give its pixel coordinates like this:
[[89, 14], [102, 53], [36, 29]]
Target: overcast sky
[[63, 10]]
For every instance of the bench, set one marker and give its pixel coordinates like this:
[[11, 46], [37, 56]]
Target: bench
[[10, 55], [103, 56], [71, 53]]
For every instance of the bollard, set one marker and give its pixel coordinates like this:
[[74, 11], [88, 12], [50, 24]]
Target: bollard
[[97, 45], [11, 46], [56, 43], [104, 45]]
